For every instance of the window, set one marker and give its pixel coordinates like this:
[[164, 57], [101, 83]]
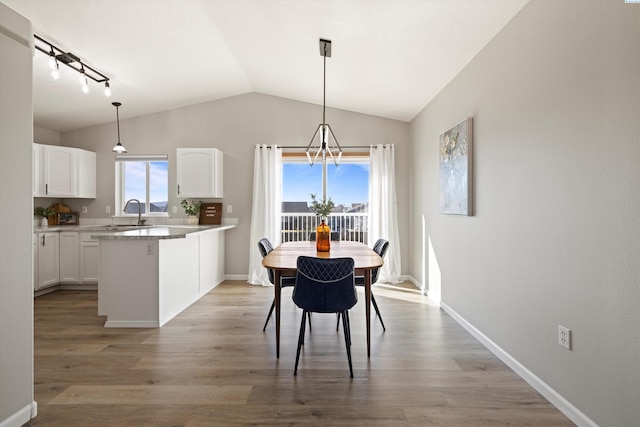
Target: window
[[347, 183], [144, 178], [347, 186]]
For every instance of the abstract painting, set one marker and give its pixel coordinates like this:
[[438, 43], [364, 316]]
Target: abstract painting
[[455, 169]]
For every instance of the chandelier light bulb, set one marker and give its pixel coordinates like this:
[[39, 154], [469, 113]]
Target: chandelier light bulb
[[107, 90]]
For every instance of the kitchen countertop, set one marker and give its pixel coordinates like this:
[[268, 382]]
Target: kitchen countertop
[[133, 232], [157, 232]]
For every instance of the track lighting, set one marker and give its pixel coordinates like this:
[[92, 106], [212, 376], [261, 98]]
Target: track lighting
[[57, 55]]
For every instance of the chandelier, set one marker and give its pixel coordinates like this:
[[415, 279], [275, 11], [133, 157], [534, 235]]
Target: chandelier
[[324, 142]]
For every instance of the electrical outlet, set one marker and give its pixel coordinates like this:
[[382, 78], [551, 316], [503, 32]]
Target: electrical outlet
[[229, 209], [175, 209], [149, 248], [84, 209], [564, 337], [108, 209]]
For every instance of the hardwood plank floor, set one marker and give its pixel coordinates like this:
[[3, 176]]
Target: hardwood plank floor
[[213, 365]]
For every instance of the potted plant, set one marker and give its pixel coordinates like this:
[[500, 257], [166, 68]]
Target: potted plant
[[323, 232], [45, 213], [192, 209]]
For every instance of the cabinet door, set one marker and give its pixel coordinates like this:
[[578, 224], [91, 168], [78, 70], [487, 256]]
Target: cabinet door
[[86, 174], [199, 172], [69, 257], [48, 260], [60, 171], [89, 260]]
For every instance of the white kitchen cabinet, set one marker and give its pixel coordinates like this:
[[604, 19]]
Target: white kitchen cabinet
[[68, 245], [199, 172], [89, 259], [63, 172], [86, 174], [48, 260], [59, 170]]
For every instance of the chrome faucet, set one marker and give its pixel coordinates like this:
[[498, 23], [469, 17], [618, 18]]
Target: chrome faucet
[[141, 221]]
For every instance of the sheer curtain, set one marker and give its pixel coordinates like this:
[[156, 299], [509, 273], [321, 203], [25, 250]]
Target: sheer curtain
[[266, 208], [383, 209]]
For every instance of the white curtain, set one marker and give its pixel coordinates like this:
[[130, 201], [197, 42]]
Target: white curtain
[[265, 209], [383, 209]]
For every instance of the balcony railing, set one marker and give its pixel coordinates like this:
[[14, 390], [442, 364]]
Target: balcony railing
[[350, 226]]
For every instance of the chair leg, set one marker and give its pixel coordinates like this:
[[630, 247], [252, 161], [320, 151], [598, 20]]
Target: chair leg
[[338, 322], [273, 305], [375, 305], [300, 341], [347, 338]]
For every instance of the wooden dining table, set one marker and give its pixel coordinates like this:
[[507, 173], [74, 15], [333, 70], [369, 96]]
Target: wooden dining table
[[283, 259]]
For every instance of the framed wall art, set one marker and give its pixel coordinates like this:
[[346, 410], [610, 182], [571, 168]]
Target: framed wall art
[[455, 169]]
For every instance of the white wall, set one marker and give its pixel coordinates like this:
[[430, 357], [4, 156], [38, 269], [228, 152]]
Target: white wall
[[235, 125], [16, 229], [555, 99]]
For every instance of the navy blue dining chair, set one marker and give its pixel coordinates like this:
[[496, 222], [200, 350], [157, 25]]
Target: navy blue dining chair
[[265, 247], [380, 247], [325, 285]]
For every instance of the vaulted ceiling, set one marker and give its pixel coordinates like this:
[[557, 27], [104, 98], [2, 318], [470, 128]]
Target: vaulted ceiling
[[389, 57]]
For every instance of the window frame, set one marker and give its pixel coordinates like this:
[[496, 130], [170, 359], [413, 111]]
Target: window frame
[[119, 204]]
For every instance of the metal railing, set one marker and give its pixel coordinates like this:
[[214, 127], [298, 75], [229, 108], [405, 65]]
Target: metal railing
[[350, 226]]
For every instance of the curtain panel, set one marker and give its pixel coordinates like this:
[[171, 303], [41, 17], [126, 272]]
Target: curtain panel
[[265, 209], [383, 209]]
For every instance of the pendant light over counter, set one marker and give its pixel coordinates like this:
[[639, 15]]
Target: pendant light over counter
[[119, 148]]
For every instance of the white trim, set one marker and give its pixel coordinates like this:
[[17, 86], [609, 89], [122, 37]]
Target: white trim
[[131, 324], [562, 404], [22, 416], [243, 277]]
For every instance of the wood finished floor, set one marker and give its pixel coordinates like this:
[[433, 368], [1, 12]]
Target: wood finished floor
[[213, 365]]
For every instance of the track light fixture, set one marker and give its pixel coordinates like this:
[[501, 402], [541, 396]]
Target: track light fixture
[[324, 142], [57, 55], [119, 148]]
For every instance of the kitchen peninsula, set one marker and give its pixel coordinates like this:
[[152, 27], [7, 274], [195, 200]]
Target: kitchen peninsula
[[149, 275]]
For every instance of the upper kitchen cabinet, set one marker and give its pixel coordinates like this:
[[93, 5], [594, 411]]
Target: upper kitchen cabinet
[[63, 172], [199, 172]]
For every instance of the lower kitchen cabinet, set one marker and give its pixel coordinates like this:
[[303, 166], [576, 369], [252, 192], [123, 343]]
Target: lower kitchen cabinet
[[89, 259], [69, 257], [48, 258], [65, 258]]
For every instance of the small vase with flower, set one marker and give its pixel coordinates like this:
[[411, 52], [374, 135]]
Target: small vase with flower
[[323, 232]]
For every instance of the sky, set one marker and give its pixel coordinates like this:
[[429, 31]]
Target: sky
[[136, 181], [347, 183]]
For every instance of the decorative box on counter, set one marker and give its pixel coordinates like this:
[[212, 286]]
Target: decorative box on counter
[[211, 214]]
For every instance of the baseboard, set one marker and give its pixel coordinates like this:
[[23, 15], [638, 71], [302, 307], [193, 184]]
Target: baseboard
[[244, 277], [22, 416], [563, 405], [131, 324]]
